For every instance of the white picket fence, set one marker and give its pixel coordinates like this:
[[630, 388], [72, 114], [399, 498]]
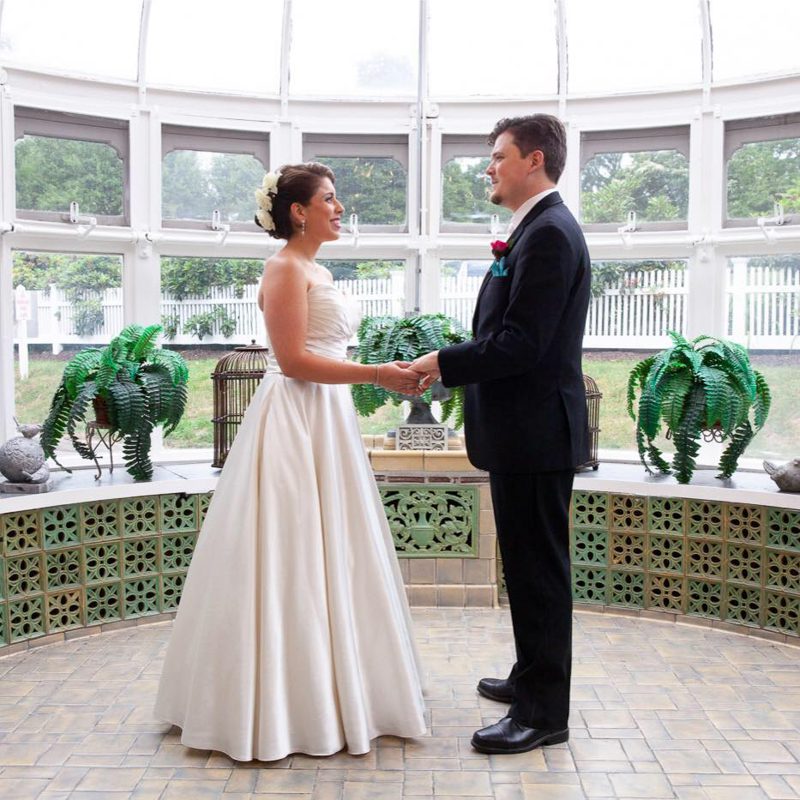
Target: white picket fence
[[52, 321], [638, 312], [763, 305]]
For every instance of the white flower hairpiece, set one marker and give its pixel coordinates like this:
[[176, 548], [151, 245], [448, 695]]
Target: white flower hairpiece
[[264, 195]]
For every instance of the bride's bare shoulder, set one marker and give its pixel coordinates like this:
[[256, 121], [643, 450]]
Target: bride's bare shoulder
[[284, 268]]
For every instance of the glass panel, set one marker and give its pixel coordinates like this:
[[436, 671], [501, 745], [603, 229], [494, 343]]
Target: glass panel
[[465, 192], [654, 184], [622, 45], [372, 187], [90, 37], [633, 305], [460, 64], [748, 41], [764, 314], [195, 183], [50, 173], [373, 52], [75, 301], [235, 48], [378, 285], [459, 283], [207, 302], [761, 173]]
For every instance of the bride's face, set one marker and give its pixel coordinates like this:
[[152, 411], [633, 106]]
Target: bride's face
[[323, 214]]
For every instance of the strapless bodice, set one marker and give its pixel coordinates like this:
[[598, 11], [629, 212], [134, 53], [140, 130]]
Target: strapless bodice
[[333, 319]]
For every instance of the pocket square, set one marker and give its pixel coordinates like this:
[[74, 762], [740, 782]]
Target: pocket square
[[499, 268]]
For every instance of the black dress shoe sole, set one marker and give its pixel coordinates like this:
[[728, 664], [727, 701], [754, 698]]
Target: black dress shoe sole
[[500, 698], [557, 737]]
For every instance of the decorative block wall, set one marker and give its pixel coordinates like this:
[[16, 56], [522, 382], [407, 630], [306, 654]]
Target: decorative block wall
[[74, 566], [721, 561], [97, 563]]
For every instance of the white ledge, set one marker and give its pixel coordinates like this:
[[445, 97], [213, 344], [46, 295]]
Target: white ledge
[[751, 488]]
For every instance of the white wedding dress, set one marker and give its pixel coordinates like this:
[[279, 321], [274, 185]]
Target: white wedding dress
[[293, 632]]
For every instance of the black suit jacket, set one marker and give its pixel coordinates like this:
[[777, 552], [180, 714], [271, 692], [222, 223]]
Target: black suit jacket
[[525, 403]]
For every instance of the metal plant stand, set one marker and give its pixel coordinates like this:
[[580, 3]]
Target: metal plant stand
[[97, 437]]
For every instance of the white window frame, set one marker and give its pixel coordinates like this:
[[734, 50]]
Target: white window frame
[[634, 140], [213, 140], [61, 125], [739, 132], [368, 145]]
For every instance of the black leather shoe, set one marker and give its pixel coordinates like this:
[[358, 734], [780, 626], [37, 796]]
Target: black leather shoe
[[509, 736], [499, 689]]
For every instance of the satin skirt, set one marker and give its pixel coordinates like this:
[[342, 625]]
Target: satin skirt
[[293, 633]]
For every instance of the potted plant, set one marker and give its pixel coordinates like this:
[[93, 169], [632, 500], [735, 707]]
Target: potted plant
[[133, 385], [382, 339], [705, 388]]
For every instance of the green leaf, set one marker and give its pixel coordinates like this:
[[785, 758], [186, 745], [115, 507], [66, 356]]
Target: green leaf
[[729, 460], [129, 405], [79, 370], [675, 390], [762, 402], [175, 409], [145, 343], [136, 453], [77, 414], [173, 362], [687, 437], [636, 380], [720, 397], [55, 424]]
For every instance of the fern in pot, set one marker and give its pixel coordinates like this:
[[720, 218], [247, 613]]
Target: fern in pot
[[704, 388], [382, 339], [132, 385]]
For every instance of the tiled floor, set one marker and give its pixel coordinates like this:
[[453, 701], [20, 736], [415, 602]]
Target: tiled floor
[[659, 711]]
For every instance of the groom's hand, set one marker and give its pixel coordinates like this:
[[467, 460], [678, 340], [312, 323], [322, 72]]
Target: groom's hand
[[428, 368], [397, 377]]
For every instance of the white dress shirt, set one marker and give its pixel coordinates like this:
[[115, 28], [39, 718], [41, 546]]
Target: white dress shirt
[[522, 211]]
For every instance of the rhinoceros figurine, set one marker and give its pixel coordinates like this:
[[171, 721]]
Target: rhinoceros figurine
[[787, 476]]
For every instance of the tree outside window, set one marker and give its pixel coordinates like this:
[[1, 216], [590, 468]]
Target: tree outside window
[[654, 184], [51, 173]]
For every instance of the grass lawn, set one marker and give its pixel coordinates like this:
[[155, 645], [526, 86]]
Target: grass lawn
[[780, 438]]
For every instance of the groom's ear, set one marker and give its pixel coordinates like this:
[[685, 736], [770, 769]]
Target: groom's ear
[[536, 159]]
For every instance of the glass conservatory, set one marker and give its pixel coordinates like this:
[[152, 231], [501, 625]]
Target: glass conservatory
[[132, 136]]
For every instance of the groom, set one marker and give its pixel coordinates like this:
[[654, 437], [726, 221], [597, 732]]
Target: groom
[[525, 420]]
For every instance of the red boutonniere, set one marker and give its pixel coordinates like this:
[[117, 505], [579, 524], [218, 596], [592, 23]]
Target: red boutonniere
[[499, 249]]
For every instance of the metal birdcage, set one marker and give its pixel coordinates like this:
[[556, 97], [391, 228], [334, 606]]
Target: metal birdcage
[[593, 396], [235, 377]]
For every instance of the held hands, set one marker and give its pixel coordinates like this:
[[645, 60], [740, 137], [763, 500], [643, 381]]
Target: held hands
[[397, 377], [426, 369]]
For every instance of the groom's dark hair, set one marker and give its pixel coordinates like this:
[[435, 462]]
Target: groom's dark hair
[[537, 132]]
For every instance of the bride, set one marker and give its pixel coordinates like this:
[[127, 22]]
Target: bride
[[293, 632]]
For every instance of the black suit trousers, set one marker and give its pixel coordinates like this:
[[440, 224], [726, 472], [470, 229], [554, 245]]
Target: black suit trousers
[[532, 516]]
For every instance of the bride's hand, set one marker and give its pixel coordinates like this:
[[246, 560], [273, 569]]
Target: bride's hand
[[396, 377]]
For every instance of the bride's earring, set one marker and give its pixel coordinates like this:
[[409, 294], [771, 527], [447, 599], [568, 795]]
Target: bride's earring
[[303, 228]]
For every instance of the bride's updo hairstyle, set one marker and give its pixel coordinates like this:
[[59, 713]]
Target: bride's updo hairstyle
[[297, 183]]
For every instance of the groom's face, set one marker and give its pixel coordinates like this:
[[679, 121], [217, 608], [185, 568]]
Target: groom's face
[[509, 173]]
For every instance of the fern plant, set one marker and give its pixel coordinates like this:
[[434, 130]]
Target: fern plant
[[141, 385], [699, 388], [382, 339]]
